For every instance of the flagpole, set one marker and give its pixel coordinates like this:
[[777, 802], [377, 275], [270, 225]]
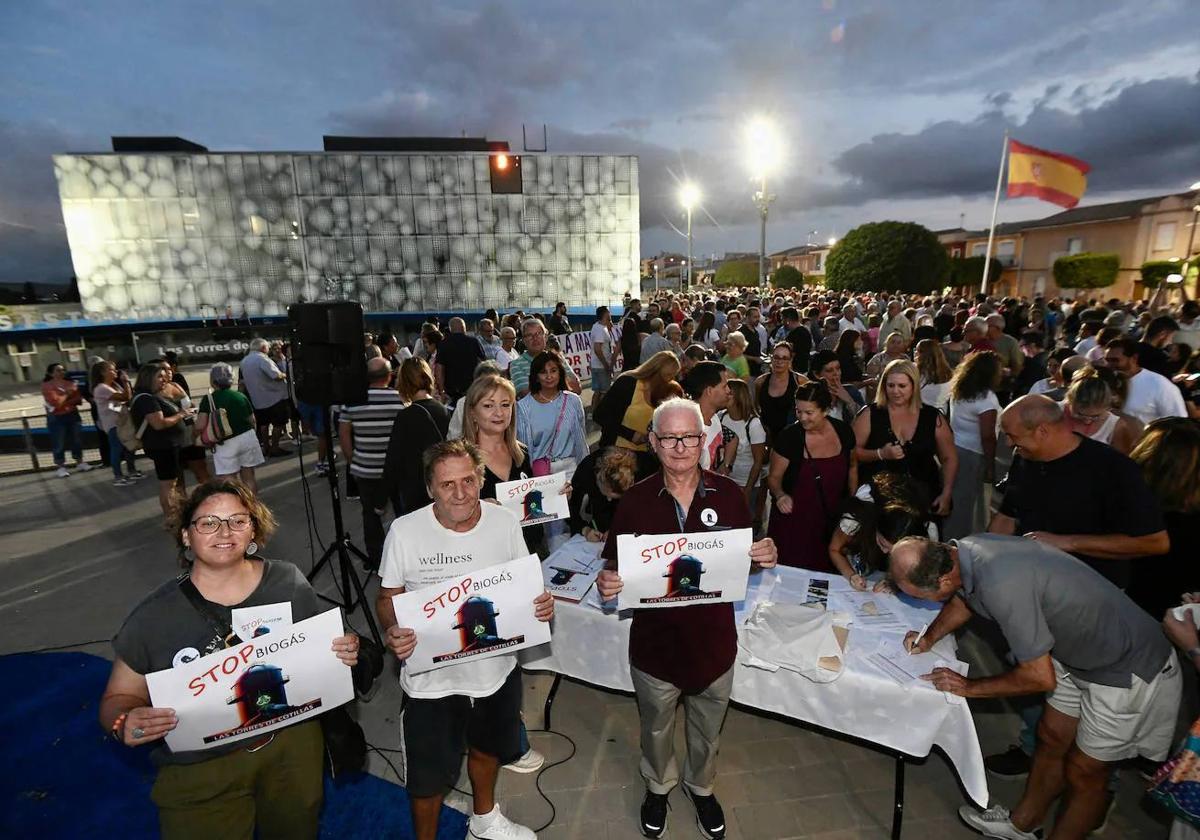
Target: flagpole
[[987, 256]]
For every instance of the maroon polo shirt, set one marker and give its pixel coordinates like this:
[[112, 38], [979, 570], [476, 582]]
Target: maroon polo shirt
[[688, 647]]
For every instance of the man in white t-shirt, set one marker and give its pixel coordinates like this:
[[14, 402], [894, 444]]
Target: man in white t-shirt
[[1151, 395], [503, 353], [707, 384], [850, 320], [473, 705], [602, 355]]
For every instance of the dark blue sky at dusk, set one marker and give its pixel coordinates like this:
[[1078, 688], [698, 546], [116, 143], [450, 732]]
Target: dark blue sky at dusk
[[888, 109]]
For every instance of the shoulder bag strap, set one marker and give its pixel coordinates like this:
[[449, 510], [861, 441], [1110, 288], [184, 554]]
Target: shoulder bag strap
[[436, 427], [561, 411], [218, 623]]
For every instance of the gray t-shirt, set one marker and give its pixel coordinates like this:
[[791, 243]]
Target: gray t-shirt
[[1046, 601], [165, 626], [654, 343], [261, 376]]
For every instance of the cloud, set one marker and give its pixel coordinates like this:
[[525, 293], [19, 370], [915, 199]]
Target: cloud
[[33, 242], [1145, 137]]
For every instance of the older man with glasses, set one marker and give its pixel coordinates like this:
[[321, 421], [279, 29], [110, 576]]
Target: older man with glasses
[[676, 652], [533, 333]]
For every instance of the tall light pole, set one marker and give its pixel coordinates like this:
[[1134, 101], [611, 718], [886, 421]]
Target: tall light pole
[[689, 197], [762, 155]]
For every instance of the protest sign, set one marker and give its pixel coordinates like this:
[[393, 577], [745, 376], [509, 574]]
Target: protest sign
[[576, 350], [253, 622], [570, 571], [535, 500], [480, 614], [254, 687], [672, 570]]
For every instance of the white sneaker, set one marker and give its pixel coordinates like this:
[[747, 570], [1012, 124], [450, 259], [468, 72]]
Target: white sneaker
[[499, 827], [994, 822], [83, 466], [63, 472], [531, 762]]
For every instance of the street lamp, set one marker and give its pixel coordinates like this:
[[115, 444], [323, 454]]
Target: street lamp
[[689, 197], [763, 151]]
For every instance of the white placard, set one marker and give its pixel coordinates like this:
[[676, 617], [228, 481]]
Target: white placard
[[535, 500], [675, 570], [255, 687], [570, 571], [480, 614], [576, 350], [254, 622]]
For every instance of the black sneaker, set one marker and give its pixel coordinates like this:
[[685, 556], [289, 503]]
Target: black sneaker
[[710, 819], [1013, 763], [654, 814]]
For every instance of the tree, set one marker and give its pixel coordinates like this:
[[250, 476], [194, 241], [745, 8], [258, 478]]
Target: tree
[[1086, 271], [737, 273], [1156, 271], [787, 277], [968, 271], [899, 256]]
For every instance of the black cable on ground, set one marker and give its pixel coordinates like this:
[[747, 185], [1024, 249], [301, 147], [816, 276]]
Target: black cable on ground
[[537, 782]]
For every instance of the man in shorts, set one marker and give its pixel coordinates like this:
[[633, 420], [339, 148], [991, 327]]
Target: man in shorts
[[1112, 678], [267, 388], [474, 705]]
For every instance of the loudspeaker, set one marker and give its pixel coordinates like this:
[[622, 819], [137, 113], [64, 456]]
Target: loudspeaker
[[329, 365]]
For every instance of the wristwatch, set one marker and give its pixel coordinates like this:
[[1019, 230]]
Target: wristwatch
[[1192, 653]]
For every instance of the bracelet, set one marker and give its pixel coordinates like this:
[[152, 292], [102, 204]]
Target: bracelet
[[118, 727], [1192, 653], [879, 454]]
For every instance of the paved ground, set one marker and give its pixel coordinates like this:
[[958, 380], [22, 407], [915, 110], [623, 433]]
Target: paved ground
[[76, 554]]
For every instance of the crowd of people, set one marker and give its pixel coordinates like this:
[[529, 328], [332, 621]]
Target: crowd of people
[[1031, 462]]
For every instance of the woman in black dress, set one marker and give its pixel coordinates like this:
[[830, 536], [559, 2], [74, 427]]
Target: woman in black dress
[[775, 392], [899, 434]]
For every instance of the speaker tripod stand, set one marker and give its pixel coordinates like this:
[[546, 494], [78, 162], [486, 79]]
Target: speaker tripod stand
[[341, 548]]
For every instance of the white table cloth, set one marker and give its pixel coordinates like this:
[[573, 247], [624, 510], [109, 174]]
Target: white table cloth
[[593, 646]]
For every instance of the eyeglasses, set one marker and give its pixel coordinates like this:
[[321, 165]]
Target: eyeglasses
[[1088, 419], [673, 441], [211, 524]]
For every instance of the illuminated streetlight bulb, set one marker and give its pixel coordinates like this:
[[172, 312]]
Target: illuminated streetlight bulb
[[764, 149], [832, 241], [689, 195]]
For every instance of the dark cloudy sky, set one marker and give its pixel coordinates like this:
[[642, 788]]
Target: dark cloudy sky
[[890, 108]]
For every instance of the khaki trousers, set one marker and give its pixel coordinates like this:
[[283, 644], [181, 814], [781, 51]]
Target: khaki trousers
[[277, 789], [705, 714]]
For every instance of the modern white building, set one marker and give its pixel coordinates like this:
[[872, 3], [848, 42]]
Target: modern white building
[[163, 228]]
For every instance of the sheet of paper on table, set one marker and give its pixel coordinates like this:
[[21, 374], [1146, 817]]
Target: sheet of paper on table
[[907, 668], [868, 610]]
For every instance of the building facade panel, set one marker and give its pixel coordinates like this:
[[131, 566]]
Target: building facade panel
[[185, 235]]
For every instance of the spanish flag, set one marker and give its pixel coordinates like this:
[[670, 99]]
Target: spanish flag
[[1050, 176]]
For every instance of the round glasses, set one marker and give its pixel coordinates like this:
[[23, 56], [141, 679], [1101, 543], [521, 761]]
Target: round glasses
[[212, 524]]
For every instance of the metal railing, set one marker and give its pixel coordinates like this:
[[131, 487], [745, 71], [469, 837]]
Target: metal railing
[[26, 445]]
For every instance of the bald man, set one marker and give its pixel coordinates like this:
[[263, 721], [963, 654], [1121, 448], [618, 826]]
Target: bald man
[[1112, 678], [457, 356], [363, 432], [1078, 495]]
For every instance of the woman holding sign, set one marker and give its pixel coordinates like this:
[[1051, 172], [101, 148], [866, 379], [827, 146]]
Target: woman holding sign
[[273, 783], [812, 468]]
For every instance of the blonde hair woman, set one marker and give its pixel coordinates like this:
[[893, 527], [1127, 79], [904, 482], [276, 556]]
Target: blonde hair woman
[[490, 423], [899, 434], [624, 413]]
